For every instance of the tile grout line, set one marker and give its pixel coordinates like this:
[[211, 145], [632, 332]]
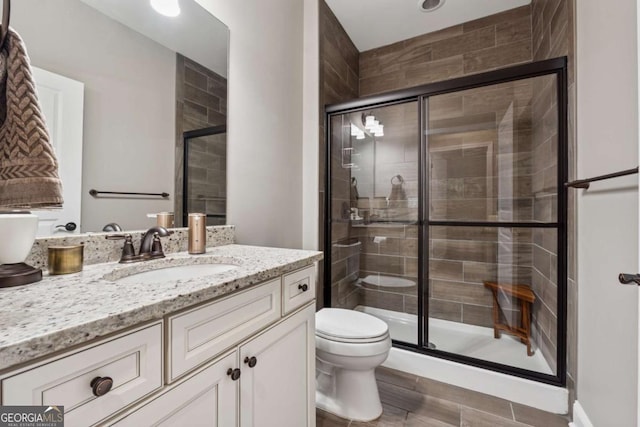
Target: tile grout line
[[513, 414]]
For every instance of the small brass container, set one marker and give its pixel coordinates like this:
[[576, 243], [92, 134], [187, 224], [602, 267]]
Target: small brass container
[[65, 259]]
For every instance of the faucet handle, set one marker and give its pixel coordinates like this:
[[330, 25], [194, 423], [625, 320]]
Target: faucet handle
[[156, 247], [128, 251]]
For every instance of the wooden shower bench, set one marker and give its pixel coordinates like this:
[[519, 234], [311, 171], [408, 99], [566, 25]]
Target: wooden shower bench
[[525, 297]]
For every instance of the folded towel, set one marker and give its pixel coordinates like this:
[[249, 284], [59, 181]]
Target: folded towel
[[28, 165]]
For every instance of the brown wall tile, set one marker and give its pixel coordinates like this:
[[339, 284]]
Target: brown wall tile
[[497, 57]]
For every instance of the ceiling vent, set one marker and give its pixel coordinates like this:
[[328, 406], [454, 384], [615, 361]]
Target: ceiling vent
[[430, 5]]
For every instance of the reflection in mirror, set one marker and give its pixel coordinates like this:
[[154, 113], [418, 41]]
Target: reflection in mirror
[[205, 186], [120, 84]]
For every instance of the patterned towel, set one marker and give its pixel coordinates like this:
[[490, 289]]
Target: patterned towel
[[28, 166]]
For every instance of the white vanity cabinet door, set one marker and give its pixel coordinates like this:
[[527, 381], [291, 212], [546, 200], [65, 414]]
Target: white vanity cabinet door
[[298, 289], [208, 399], [279, 390], [201, 334], [133, 361]]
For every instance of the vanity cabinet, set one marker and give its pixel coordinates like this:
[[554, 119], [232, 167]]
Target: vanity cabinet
[[202, 333], [209, 398], [123, 370], [269, 381], [278, 373], [244, 360]]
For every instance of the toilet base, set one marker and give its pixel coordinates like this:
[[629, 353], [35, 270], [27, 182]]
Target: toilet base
[[349, 394]]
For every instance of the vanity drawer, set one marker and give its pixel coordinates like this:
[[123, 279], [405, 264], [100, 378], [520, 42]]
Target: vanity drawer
[[298, 288], [201, 334], [133, 361]]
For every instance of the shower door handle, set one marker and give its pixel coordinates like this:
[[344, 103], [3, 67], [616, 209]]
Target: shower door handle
[[627, 279]]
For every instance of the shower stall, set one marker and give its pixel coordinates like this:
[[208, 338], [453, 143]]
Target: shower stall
[[445, 216]]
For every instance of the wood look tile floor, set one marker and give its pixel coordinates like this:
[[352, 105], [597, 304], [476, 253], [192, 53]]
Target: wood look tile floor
[[411, 401]]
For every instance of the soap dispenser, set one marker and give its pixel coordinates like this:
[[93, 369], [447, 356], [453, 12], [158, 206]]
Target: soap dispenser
[[197, 233]]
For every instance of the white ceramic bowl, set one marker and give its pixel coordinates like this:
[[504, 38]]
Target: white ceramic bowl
[[17, 234]]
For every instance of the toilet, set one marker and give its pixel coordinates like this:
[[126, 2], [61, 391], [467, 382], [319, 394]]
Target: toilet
[[350, 345]]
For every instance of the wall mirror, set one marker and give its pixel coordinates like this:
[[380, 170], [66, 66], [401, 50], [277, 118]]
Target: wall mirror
[[121, 83]]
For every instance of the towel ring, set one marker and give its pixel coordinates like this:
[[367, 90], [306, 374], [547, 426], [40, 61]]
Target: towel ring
[[6, 15], [399, 178]]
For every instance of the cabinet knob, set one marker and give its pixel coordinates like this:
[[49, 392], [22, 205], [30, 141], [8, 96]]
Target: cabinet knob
[[101, 385], [303, 287], [251, 361], [234, 374]]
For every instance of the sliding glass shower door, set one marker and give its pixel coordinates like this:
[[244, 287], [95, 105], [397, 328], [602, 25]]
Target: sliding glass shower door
[[493, 222], [446, 217], [374, 214]]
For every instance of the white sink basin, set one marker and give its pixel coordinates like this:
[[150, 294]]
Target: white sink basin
[[174, 273]]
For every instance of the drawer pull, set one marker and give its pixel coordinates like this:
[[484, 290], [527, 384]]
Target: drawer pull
[[251, 361], [101, 385], [234, 374], [303, 287]]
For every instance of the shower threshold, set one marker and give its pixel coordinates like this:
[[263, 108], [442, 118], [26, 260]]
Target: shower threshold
[[459, 338]]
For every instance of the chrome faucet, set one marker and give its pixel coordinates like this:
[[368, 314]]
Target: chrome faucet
[[150, 246]]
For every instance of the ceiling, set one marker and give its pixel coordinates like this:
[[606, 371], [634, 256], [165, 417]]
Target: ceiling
[[376, 23], [195, 33]]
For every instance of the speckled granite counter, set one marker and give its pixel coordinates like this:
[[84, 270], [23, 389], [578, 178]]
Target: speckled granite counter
[[62, 311]]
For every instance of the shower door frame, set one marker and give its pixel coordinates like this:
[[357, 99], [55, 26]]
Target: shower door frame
[[418, 94], [186, 138]]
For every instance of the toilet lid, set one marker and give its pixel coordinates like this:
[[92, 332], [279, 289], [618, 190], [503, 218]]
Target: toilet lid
[[349, 325]]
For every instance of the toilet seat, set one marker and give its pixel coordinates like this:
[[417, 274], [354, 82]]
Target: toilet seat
[[349, 349], [349, 326]]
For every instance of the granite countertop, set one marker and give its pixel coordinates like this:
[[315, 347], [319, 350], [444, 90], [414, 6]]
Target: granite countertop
[[62, 311]]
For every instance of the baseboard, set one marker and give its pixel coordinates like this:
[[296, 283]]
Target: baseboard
[[531, 393], [580, 418]]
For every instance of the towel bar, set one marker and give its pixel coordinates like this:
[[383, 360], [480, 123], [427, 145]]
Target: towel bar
[[96, 193], [584, 183]]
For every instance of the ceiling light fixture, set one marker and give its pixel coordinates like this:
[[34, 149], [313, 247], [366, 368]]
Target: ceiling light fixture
[[430, 5], [169, 8]]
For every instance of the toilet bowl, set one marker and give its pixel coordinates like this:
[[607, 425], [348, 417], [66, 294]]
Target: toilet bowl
[[349, 346]]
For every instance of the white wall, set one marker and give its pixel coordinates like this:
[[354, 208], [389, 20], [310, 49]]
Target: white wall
[[607, 121], [265, 118], [129, 117], [311, 123]]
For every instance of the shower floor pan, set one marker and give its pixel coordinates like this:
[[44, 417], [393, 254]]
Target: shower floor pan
[[459, 338]]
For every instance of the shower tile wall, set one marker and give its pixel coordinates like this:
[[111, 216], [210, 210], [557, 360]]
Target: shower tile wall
[[496, 41], [345, 251], [481, 170], [201, 101], [389, 243], [395, 256], [338, 82], [553, 36]]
